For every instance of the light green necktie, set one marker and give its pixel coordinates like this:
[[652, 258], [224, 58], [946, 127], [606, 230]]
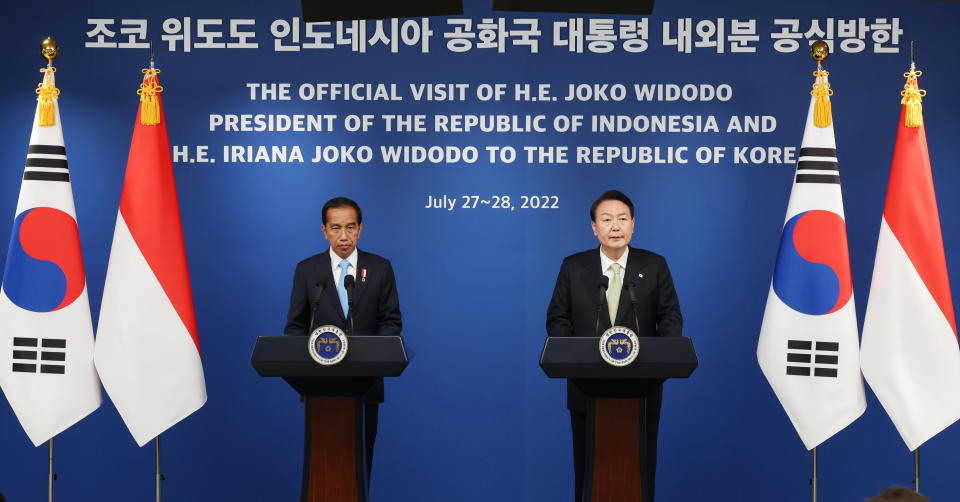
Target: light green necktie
[[613, 294]]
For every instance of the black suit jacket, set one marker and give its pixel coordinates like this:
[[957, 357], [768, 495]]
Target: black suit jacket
[[573, 308], [376, 309]]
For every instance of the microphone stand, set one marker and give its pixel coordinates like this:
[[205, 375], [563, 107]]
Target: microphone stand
[[321, 285], [604, 281], [348, 284]]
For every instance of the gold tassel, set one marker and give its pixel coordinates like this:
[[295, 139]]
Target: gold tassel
[[149, 102], [912, 97], [822, 116], [46, 94]]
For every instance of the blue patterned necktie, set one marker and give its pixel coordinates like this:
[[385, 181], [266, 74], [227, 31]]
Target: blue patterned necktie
[[341, 290]]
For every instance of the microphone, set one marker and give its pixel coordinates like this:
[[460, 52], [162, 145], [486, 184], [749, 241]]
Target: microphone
[[631, 289], [602, 293], [348, 284], [321, 285]]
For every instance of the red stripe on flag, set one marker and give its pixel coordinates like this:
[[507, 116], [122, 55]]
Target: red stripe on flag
[[911, 212], [149, 207]]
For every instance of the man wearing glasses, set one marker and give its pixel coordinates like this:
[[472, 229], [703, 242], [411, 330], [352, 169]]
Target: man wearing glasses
[[376, 310], [573, 311]]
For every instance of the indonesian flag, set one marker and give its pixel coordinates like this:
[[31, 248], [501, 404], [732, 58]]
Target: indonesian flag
[[147, 350], [910, 355], [808, 347], [46, 336]]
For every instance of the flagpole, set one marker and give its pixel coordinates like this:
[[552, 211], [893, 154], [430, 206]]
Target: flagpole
[[51, 477], [159, 476], [157, 439], [813, 480], [916, 470]]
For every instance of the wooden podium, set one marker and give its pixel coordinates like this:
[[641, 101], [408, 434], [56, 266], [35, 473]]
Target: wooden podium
[[334, 454], [616, 433]]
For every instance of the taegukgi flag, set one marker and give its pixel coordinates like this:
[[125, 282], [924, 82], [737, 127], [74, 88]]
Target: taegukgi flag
[[808, 347], [910, 355], [148, 352], [46, 336]]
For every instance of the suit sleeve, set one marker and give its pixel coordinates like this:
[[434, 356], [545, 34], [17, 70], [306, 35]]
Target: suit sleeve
[[299, 314], [388, 310], [669, 319], [559, 315]]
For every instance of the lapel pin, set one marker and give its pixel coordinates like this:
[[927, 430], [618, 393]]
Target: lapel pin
[[363, 275], [640, 276]]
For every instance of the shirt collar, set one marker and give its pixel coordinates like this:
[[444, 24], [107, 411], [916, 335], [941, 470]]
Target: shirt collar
[[335, 259], [605, 261]]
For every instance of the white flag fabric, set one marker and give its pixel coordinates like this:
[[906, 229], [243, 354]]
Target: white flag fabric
[[910, 355], [46, 336], [147, 348], [808, 348]]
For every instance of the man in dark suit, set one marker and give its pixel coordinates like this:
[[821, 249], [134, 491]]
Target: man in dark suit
[[376, 310], [573, 311]]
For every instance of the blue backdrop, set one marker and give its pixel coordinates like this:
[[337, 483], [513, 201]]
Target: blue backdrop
[[473, 418]]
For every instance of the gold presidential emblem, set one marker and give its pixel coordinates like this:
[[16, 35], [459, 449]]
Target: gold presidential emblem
[[328, 345], [618, 346]]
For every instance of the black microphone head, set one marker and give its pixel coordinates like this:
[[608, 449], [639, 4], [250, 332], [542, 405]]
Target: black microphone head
[[322, 282], [604, 282], [348, 282]]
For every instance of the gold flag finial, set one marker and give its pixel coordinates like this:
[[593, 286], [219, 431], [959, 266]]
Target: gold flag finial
[[49, 49], [822, 115], [912, 97], [46, 90], [819, 51]]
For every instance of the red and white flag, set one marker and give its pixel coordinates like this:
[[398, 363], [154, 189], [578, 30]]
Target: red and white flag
[[909, 352], [147, 351]]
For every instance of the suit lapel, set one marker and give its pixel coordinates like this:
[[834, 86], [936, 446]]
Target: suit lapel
[[629, 273], [360, 284], [325, 269]]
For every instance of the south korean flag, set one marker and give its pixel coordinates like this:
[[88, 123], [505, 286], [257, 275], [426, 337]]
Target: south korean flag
[[46, 336], [808, 348]]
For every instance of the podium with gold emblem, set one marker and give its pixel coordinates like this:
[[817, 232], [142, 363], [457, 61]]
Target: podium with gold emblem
[[616, 371], [333, 379]]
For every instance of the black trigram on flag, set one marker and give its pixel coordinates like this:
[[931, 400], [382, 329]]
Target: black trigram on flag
[[50, 358], [46, 163], [818, 165], [805, 359]]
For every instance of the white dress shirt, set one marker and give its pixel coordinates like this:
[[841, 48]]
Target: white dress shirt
[[351, 270], [605, 263]]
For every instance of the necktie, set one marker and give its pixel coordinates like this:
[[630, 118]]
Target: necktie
[[613, 294], [341, 290]]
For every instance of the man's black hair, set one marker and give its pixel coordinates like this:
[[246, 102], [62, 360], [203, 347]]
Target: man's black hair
[[344, 202], [610, 195]]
